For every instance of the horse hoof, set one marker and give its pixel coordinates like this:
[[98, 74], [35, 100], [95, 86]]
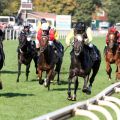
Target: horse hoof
[[69, 98], [88, 92], [73, 98], [45, 83], [84, 90], [41, 82]]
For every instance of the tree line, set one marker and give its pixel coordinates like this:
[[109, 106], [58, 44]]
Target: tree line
[[78, 9]]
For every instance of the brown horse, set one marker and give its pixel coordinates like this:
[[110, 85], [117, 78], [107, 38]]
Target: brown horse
[[48, 59], [26, 53], [112, 55]]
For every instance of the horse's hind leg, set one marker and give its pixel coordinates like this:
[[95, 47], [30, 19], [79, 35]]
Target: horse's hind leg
[[57, 69], [19, 71], [27, 71], [92, 78], [35, 61]]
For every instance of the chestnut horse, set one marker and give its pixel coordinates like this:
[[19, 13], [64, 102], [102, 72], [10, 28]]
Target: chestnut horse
[[26, 53], [48, 60], [82, 66], [2, 58], [112, 55]]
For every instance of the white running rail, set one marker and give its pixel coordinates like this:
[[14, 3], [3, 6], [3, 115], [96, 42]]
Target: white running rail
[[84, 108]]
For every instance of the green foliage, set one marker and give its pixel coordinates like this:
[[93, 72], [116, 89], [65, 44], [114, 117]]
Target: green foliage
[[114, 8]]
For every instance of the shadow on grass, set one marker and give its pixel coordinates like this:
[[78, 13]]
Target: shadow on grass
[[10, 72], [63, 89], [15, 94]]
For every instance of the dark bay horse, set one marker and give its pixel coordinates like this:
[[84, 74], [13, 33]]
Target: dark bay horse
[[26, 53], [112, 55], [2, 58], [82, 66], [49, 61]]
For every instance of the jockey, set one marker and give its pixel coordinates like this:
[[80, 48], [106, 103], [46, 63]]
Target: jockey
[[112, 30], [87, 33], [25, 30], [48, 30]]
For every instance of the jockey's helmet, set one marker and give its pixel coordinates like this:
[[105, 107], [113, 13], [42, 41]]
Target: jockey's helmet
[[80, 26], [45, 26], [43, 20], [112, 29]]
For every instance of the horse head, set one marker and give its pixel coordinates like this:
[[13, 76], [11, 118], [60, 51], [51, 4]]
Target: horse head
[[22, 41], [78, 44], [112, 40], [43, 43]]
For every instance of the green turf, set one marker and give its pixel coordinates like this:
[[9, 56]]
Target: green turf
[[26, 100]]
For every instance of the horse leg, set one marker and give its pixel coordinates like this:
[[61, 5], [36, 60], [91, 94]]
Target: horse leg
[[35, 62], [48, 79], [69, 85], [118, 73], [92, 78], [40, 77], [57, 69], [86, 78], [1, 85], [0, 82], [108, 70], [19, 71], [75, 88], [27, 71]]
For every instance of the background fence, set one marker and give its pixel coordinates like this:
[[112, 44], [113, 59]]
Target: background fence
[[11, 34]]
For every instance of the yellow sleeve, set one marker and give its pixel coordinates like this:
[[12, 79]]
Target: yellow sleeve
[[89, 34], [69, 37], [56, 35], [38, 26]]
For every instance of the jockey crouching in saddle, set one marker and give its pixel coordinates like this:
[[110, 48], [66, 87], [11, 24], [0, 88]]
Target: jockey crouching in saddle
[[46, 30], [82, 29], [26, 32]]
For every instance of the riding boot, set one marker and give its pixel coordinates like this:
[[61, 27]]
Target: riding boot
[[93, 53]]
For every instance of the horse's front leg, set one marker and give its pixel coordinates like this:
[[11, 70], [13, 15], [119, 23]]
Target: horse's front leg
[[108, 70], [27, 71], [85, 84], [75, 88], [19, 71], [69, 85], [48, 79], [40, 77]]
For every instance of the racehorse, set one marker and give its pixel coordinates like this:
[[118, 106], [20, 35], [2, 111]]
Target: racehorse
[[82, 66], [48, 60], [112, 55], [26, 53], [2, 58]]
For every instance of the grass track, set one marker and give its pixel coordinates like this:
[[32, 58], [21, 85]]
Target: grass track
[[26, 100]]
